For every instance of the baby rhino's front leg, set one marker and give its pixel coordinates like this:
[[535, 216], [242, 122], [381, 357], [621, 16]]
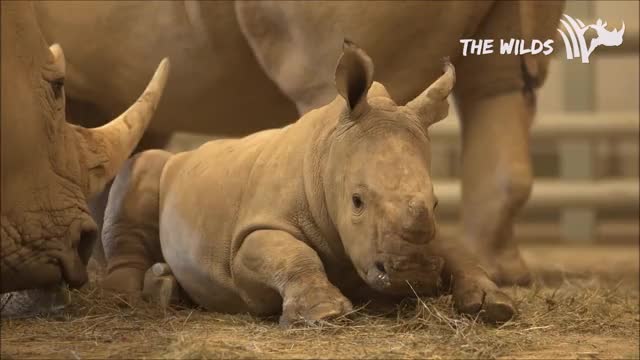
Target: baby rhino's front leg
[[272, 266]]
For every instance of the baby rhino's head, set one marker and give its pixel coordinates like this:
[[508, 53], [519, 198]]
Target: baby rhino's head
[[377, 180]]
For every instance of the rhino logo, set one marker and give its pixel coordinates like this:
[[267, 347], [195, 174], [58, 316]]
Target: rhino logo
[[576, 44]]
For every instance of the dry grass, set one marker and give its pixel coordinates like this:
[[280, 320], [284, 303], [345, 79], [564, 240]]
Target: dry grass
[[580, 319]]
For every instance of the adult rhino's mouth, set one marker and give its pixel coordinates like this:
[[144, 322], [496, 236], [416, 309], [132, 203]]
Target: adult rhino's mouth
[[73, 262], [74, 271]]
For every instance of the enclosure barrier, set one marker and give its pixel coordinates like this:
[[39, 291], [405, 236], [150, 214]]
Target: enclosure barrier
[[580, 223], [561, 126], [553, 194], [551, 231], [561, 193]]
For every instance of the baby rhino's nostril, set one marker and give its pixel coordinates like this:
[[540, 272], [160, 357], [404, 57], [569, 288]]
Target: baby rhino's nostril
[[380, 267]]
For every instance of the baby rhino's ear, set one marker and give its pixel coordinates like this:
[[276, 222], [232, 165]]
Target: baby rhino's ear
[[354, 76], [432, 105]]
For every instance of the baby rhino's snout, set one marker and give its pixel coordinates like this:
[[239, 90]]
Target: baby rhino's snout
[[418, 225]]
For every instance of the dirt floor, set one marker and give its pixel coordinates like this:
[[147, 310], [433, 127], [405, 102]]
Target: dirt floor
[[584, 306]]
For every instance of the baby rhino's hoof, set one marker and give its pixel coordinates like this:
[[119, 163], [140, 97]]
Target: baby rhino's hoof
[[486, 300], [160, 286], [311, 305], [493, 306]]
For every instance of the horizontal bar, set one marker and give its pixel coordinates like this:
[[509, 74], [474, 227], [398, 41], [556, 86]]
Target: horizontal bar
[[563, 125], [602, 194], [614, 231]]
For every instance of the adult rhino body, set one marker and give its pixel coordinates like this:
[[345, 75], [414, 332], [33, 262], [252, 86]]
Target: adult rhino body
[[49, 167], [247, 66], [216, 85], [338, 203]]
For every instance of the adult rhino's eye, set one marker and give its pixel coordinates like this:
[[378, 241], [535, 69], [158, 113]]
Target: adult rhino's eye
[[435, 205], [357, 201]]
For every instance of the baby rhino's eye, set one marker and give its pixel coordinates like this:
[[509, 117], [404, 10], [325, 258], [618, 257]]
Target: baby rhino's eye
[[357, 201]]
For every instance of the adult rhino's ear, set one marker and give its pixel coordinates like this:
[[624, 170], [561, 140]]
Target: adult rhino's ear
[[354, 75], [55, 70], [432, 105], [57, 62]]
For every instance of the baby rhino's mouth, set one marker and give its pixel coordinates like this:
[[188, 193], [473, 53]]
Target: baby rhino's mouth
[[378, 277], [406, 275]]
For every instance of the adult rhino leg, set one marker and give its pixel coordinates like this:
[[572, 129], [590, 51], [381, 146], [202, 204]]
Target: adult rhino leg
[[474, 293], [265, 24], [271, 263], [496, 181], [130, 232]]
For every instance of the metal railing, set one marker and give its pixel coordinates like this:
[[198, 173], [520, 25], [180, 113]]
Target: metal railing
[[561, 126]]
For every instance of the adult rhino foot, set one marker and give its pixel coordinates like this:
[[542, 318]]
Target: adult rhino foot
[[482, 297], [310, 305], [160, 286], [507, 268]]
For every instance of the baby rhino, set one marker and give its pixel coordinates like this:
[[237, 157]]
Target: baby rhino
[[298, 220]]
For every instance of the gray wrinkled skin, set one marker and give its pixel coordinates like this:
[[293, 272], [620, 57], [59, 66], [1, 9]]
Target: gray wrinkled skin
[[44, 211], [301, 220]]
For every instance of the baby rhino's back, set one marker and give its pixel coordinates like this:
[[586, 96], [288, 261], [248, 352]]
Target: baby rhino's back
[[200, 194]]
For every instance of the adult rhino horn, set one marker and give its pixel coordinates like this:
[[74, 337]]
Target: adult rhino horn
[[432, 106], [110, 145]]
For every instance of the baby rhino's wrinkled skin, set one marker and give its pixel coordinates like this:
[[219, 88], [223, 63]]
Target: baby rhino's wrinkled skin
[[298, 220]]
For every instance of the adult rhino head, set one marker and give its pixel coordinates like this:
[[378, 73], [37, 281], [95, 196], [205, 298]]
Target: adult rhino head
[[49, 167], [377, 180]]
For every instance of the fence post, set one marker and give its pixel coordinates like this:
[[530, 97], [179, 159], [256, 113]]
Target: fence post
[[576, 155]]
